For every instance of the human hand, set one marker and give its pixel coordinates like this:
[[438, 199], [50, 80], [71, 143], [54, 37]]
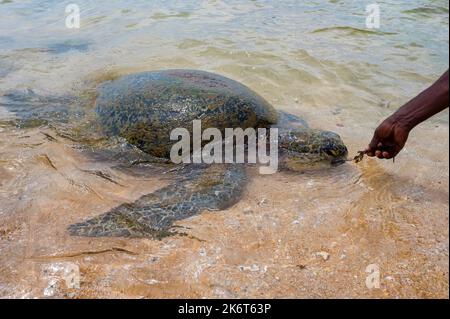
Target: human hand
[[388, 140]]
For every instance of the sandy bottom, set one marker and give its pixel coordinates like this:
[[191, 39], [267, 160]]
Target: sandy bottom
[[311, 235]]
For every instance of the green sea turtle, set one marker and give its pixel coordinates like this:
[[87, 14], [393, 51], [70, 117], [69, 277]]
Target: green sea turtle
[[142, 109]]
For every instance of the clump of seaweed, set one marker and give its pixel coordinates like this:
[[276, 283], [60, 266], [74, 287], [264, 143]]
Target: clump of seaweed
[[359, 157]]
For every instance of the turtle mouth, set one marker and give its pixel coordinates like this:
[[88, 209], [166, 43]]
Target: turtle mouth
[[337, 161]]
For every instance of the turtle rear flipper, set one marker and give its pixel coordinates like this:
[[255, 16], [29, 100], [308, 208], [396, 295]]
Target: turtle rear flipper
[[214, 187], [29, 109]]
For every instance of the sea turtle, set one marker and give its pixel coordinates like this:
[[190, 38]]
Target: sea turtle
[[144, 108]]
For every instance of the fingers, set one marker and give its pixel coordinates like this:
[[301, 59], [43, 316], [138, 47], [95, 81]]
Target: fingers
[[368, 151], [373, 149], [380, 154]]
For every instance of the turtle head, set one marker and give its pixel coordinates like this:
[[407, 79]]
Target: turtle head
[[301, 149]]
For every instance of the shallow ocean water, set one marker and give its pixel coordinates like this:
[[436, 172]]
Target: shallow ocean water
[[292, 235]]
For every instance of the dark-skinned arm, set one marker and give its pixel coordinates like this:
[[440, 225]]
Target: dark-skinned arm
[[391, 135]]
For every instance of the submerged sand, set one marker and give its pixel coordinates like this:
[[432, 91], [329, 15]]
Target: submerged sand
[[291, 236]]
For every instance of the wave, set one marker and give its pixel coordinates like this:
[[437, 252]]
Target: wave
[[427, 11], [353, 31]]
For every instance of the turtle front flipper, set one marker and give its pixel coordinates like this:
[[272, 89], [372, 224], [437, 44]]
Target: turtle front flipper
[[213, 187]]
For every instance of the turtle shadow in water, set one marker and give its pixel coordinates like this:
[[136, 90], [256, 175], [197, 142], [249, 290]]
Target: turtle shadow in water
[[68, 46]]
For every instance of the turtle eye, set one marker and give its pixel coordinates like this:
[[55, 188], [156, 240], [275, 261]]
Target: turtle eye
[[330, 152]]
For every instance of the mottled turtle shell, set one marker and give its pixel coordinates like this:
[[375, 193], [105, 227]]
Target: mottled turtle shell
[[144, 108]]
